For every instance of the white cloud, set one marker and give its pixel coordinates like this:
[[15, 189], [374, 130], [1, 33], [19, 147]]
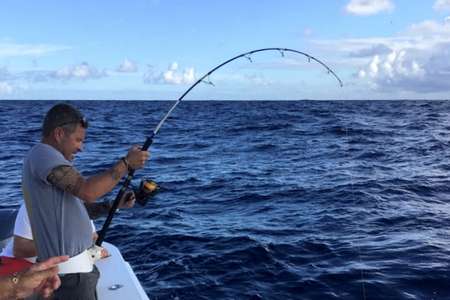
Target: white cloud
[[395, 66], [171, 76], [423, 66], [368, 7], [442, 5], [127, 66], [6, 88], [422, 37], [14, 50], [174, 76], [416, 60], [82, 71]]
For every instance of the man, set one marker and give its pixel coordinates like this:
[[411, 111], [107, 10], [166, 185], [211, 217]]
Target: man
[[54, 192], [41, 278]]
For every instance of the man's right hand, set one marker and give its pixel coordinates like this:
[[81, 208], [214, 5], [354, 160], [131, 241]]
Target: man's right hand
[[137, 158]]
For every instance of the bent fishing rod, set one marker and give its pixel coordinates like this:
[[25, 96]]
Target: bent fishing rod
[[149, 140]]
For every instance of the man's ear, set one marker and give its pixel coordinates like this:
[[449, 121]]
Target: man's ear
[[58, 134]]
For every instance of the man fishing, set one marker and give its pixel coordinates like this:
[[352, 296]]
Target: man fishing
[[54, 192]]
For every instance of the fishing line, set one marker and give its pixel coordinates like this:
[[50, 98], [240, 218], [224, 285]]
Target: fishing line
[[347, 110], [149, 140], [358, 246]]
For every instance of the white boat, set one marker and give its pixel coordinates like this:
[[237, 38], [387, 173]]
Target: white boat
[[117, 278]]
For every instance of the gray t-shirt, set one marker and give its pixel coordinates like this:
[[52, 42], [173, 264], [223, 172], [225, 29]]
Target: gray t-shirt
[[59, 220]]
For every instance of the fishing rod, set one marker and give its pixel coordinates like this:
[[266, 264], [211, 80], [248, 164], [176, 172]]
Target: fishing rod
[[149, 140]]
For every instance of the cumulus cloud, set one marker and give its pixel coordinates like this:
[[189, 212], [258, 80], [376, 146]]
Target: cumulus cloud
[[171, 76], [174, 76], [400, 70], [82, 71], [368, 7], [414, 60], [442, 5], [397, 66], [11, 82], [423, 66], [127, 66], [15, 50]]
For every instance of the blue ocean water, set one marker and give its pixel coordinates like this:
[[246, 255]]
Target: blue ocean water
[[271, 199]]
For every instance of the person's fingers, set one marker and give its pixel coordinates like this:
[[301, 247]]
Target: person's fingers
[[54, 282], [46, 291], [42, 275], [50, 285], [41, 286], [49, 263], [126, 198], [33, 280]]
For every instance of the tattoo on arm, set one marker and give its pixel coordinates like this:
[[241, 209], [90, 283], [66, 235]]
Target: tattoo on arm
[[66, 178], [96, 210]]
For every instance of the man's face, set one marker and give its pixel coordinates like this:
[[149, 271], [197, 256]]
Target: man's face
[[71, 143]]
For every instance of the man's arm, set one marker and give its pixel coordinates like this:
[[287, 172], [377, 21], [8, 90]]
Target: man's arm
[[23, 248], [69, 179], [96, 210], [101, 209]]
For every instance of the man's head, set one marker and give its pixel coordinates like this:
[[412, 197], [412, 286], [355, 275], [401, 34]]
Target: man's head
[[65, 116], [64, 128]]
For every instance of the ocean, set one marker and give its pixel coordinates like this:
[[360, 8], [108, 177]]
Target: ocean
[[270, 199]]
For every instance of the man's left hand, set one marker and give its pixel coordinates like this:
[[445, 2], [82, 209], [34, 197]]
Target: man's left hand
[[128, 199]]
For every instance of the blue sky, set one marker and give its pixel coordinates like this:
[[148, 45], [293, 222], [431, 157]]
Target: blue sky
[[154, 50]]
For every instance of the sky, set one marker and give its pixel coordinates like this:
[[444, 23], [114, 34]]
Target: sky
[[155, 49]]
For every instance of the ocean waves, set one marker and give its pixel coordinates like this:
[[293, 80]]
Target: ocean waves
[[272, 200]]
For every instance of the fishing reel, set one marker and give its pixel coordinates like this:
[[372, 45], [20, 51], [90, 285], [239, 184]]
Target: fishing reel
[[146, 190]]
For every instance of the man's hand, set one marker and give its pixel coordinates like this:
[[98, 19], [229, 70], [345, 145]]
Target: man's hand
[[41, 277], [136, 158], [128, 199]]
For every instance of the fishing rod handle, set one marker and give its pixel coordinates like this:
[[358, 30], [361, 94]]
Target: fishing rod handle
[[148, 142], [112, 211]]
